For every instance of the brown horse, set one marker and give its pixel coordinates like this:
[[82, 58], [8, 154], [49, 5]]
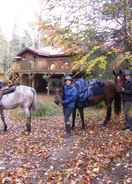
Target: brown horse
[[110, 94], [119, 79]]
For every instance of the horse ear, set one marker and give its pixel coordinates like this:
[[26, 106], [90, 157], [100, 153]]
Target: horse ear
[[114, 73], [120, 72]]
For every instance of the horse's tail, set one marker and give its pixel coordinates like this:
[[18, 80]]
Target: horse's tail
[[34, 102], [117, 103]]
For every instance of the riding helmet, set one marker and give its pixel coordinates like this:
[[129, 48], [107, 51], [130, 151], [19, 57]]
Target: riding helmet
[[68, 77]]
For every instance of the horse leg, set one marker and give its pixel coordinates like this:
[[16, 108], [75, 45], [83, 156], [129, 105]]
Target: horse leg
[[28, 115], [81, 112], [73, 118], [108, 113], [3, 120]]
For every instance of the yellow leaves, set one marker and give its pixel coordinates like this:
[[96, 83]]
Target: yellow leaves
[[21, 172], [123, 60], [16, 177], [55, 176], [77, 64], [93, 64], [93, 61]]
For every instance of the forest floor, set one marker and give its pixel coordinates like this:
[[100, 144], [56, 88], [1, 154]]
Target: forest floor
[[94, 156]]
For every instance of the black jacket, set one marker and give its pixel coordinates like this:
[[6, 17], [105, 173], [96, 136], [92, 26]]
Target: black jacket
[[127, 93]]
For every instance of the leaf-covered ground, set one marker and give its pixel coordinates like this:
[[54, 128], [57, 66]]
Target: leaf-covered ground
[[96, 156]]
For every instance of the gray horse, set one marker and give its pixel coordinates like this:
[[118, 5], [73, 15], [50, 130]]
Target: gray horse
[[22, 96]]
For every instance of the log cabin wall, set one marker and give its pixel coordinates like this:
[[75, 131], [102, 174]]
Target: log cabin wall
[[40, 70]]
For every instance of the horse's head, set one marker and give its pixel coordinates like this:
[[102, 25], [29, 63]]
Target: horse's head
[[119, 79], [58, 95]]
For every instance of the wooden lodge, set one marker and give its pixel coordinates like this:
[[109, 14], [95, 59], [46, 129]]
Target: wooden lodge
[[41, 70]]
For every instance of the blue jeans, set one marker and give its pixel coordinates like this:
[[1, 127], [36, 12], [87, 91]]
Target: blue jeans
[[67, 113]]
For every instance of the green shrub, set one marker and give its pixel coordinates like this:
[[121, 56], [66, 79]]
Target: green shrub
[[43, 110], [100, 105], [46, 109]]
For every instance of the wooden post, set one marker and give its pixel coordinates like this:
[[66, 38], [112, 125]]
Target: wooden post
[[48, 87], [49, 84], [33, 81], [21, 80], [28, 80]]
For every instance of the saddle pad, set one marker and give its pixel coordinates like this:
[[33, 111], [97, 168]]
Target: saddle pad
[[89, 88], [97, 87]]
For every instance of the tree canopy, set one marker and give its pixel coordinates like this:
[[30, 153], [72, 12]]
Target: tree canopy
[[84, 27]]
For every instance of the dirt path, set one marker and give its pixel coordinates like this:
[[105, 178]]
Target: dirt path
[[120, 171], [45, 157]]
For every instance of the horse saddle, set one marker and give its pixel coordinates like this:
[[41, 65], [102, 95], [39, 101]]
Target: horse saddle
[[7, 91], [4, 92]]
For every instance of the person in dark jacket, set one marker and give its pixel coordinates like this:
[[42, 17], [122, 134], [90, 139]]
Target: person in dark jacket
[[69, 101], [127, 99]]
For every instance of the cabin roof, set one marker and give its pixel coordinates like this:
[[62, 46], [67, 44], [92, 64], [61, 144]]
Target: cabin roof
[[42, 53]]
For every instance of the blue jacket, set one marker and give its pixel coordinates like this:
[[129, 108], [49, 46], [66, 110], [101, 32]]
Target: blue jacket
[[69, 96]]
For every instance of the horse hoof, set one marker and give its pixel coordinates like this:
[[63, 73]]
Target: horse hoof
[[28, 131], [28, 127]]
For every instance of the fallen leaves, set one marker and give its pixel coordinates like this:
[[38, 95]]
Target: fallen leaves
[[45, 157]]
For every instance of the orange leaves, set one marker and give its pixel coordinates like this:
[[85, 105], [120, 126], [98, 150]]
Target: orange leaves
[[53, 35], [16, 177], [45, 157]]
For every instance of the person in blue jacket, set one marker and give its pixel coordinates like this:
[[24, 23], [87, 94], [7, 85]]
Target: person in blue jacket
[[127, 99], [69, 102]]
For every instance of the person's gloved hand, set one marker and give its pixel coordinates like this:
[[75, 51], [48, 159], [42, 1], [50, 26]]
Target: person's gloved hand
[[56, 102], [122, 89]]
